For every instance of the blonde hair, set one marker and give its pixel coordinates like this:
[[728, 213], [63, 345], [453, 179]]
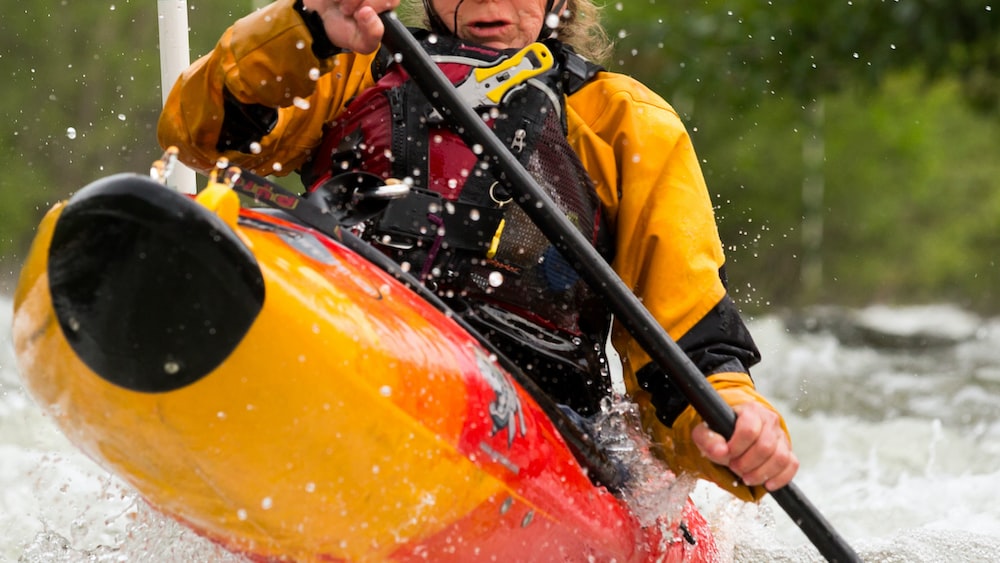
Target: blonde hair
[[580, 27]]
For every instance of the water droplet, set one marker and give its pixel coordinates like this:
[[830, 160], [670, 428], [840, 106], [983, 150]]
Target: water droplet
[[495, 279], [385, 391], [71, 133], [314, 74], [266, 503], [171, 367], [241, 514], [552, 21], [255, 148], [310, 487]]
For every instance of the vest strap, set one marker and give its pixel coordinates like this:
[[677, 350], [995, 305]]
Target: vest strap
[[418, 217]]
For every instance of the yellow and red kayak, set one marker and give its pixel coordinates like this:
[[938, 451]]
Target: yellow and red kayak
[[277, 393]]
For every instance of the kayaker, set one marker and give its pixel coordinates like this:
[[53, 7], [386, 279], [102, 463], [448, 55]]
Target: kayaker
[[289, 88]]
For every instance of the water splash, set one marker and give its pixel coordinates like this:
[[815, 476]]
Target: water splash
[[145, 535], [653, 492]]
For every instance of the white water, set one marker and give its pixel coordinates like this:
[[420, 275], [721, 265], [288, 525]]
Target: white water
[[900, 450]]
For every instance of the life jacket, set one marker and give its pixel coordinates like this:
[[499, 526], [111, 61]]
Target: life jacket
[[458, 228]]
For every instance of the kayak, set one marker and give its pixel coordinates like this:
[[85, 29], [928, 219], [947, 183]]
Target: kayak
[[273, 390]]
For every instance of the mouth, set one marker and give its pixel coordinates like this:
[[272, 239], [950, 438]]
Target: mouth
[[488, 25], [493, 32]]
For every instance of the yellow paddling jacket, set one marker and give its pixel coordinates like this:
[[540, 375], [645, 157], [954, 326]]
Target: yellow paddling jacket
[[281, 91]]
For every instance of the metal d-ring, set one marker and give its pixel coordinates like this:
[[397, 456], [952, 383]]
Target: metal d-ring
[[494, 197]]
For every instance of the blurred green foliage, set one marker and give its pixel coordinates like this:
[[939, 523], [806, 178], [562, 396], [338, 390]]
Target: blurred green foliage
[[848, 145]]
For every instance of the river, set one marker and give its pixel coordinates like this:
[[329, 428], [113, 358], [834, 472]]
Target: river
[[895, 414]]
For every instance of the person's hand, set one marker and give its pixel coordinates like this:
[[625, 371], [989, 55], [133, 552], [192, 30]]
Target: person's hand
[[758, 451], [352, 24]]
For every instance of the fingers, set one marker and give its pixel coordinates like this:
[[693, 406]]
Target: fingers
[[712, 445], [352, 24], [348, 7], [369, 30], [758, 451]]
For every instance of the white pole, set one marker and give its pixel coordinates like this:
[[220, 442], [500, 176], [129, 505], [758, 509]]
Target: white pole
[[175, 56]]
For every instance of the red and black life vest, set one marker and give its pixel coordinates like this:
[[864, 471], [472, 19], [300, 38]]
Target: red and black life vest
[[458, 228]]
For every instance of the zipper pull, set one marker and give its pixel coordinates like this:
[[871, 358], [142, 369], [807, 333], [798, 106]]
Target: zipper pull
[[518, 142]]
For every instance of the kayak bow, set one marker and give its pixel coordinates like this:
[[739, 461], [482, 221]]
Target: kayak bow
[[274, 391]]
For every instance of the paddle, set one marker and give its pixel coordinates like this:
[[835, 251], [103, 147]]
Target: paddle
[[591, 266]]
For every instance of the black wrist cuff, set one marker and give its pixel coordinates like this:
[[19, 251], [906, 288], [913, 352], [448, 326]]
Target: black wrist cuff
[[243, 124], [322, 47]]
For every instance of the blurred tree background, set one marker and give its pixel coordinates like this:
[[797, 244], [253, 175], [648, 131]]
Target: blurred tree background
[[847, 144]]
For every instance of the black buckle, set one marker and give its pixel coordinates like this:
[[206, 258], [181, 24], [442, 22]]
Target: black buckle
[[424, 216]]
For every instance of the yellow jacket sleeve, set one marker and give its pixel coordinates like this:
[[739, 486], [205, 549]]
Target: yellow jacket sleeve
[[648, 178], [668, 248], [264, 58], [680, 452]]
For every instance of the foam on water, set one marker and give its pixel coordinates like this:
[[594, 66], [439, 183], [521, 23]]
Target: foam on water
[[900, 446], [900, 451], [56, 505]]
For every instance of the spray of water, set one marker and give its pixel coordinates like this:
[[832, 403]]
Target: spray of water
[[653, 492]]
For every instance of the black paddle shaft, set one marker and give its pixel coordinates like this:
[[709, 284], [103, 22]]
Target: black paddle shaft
[[592, 267]]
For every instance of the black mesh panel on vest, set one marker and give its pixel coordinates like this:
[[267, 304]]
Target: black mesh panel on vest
[[506, 278]]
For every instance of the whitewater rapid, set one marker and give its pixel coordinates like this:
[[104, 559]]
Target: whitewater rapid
[[895, 414]]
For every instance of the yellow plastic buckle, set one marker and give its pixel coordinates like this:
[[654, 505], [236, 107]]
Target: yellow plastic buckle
[[488, 85]]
